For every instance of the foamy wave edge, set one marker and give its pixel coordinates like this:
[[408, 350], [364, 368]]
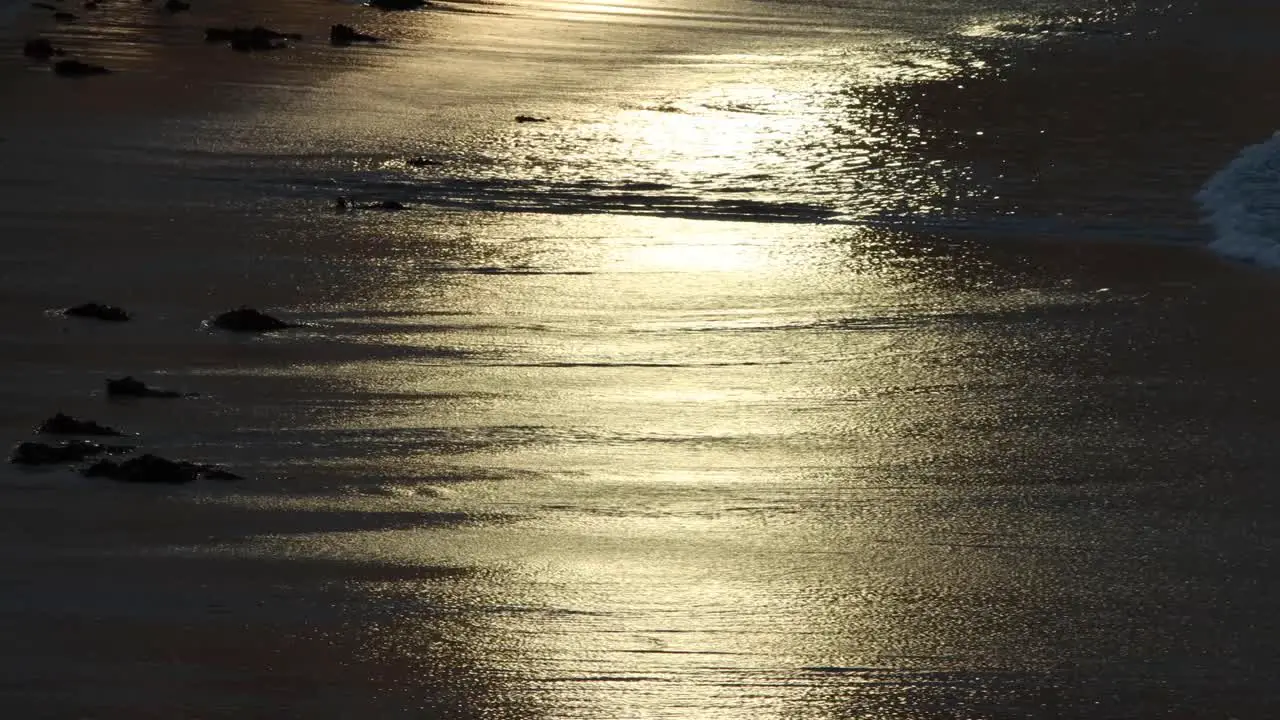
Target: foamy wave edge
[[1242, 205]]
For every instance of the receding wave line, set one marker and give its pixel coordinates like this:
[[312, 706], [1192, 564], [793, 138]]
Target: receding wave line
[[585, 197], [623, 364], [499, 270]]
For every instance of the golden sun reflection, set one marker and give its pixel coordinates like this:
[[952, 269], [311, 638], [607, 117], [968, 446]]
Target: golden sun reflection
[[597, 8], [729, 130], [695, 255]]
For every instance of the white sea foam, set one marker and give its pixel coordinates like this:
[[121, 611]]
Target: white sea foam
[[1242, 205]]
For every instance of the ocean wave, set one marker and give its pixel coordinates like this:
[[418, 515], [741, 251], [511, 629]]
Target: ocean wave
[[1242, 205]]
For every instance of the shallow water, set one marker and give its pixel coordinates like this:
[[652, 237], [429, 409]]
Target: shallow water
[[744, 385]]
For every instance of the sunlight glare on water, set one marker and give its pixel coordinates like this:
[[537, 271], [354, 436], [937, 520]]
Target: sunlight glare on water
[[693, 447], [667, 393]]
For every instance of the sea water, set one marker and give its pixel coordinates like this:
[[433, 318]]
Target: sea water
[[737, 386]]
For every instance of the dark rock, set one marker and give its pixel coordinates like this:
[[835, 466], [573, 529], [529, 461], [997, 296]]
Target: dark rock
[[44, 6], [247, 43], [98, 311], [529, 119], [143, 469], [153, 469], [35, 453], [398, 4], [246, 319], [422, 161], [64, 17], [210, 472], [61, 424], [343, 204], [343, 35], [40, 49], [75, 68], [129, 387], [250, 39], [90, 4], [175, 6]]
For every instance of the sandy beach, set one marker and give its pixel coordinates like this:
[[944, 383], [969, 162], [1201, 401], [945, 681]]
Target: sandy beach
[[572, 463]]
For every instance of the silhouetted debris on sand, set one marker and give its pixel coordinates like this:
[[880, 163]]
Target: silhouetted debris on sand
[[246, 319], [75, 68], [343, 204], [398, 4], [61, 424], [154, 469], [40, 49], [343, 35], [250, 39], [97, 311], [175, 6], [130, 387], [37, 453], [422, 161], [64, 17], [529, 119]]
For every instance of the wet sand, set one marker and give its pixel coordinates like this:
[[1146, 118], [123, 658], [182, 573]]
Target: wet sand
[[1050, 484]]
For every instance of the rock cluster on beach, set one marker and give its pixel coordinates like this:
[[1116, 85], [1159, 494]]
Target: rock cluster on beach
[[242, 39], [146, 468]]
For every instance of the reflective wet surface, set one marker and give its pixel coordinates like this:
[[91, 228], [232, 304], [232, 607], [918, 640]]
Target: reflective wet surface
[[706, 397]]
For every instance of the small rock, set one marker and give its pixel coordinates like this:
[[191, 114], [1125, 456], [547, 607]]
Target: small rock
[[246, 319], [39, 49], [44, 6], [250, 39], [35, 453], [143, 469], [398, 4], [422, 161], [529, 119], [98, 311], [129, 387], [75, 68], [175, 6], [61, 424], [210, 472], [64, 17], [343, 35], [153, 469], [343, 204]]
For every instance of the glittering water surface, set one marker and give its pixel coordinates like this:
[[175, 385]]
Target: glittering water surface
[[666, 404]]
